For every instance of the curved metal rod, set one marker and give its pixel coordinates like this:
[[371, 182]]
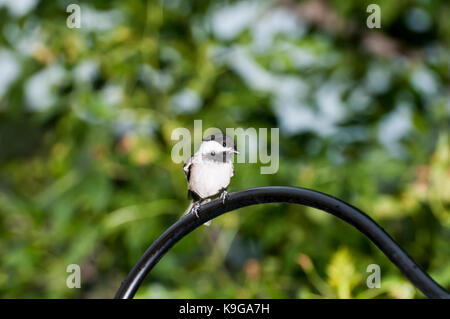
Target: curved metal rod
[[277, 194]]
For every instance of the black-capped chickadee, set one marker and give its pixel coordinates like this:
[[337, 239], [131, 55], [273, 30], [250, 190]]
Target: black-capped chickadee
[[209, 170]]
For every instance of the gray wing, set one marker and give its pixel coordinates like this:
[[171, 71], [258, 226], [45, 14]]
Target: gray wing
[[187, 172], [187, 168]]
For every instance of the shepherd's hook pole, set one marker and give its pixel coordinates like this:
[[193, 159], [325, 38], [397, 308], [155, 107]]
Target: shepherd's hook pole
[[281, 194]]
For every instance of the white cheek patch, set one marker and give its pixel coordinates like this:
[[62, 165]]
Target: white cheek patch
[[211, 148]]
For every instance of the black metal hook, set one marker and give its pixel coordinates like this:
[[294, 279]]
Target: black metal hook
[[276, 194]]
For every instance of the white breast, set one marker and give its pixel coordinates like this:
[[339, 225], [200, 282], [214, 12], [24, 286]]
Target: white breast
[[208, 178]]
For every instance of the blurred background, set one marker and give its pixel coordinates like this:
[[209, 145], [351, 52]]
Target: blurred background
[[86, 117]]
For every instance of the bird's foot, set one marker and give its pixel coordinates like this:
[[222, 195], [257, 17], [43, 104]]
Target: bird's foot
[[195, 208], [224, 196]]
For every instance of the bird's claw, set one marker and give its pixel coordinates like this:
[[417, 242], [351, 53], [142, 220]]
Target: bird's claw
[[195, 209], [224, 196]]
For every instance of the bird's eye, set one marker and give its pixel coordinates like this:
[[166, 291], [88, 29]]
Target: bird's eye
[[224, 144], [213, 153]]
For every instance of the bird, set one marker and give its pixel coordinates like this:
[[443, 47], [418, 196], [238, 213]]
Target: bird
[[209, 170]]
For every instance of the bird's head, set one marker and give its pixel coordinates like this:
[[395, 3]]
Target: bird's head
[[218, 147]]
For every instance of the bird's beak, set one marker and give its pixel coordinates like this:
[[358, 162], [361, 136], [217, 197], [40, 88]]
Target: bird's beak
[[236, 152]]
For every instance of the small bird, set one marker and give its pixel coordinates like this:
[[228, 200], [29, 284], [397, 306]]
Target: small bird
[[209, 170]]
